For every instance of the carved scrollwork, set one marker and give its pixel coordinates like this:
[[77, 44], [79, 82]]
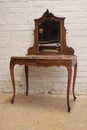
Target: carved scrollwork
[[37, 62], [47, 14], [69, 65]]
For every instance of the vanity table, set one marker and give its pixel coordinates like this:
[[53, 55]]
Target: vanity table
[[49, 49]]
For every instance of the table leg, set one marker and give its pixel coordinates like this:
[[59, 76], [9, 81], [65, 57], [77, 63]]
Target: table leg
[[74, 79], [12, 79], [69, 68], [26, 75]]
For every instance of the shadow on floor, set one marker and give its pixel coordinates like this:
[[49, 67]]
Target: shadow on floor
[[41, 101]]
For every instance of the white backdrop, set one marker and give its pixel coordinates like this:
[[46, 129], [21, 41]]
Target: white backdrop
[[16, 36]]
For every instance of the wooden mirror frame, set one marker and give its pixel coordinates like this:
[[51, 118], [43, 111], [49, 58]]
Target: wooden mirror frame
[[64, 49]]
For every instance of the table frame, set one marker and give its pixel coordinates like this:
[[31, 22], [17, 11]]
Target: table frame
[[68, 63]]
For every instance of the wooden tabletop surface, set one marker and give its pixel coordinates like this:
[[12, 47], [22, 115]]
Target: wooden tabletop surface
[[59, 56]]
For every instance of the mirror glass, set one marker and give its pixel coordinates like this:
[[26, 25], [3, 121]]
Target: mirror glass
[[49, 36]]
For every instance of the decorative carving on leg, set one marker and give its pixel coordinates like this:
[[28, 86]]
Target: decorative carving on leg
[[26, 75], [74, 79], [12, 79], [69, 69]]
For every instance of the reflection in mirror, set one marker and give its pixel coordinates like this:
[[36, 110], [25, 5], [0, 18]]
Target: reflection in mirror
[[49, 36]]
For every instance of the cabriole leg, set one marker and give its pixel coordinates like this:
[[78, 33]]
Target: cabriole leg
[[12, 79], [74, 79], [69, 68], [26, 75]]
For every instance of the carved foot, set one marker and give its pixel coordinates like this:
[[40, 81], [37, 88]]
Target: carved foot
[[12, 100], [69, 109], [74, 98]]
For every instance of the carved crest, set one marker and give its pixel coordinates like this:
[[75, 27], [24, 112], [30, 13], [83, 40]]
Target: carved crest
[[47, 14]]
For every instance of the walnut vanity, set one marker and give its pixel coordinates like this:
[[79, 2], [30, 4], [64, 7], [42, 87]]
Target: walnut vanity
[[49, 49]]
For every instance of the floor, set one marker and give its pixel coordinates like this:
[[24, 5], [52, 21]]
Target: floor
[[36, 112]]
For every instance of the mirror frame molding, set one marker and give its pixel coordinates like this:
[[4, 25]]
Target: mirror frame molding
[[64, 49]]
